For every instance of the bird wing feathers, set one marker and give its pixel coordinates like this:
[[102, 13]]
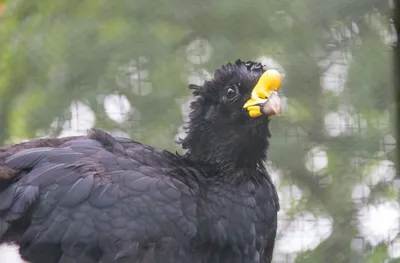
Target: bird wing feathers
[[95, 192]]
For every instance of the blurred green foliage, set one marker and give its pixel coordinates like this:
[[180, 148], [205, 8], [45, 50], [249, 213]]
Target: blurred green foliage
[[53, 53]]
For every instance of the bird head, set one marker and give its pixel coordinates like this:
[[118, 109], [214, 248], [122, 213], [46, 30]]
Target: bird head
[[230, 115]]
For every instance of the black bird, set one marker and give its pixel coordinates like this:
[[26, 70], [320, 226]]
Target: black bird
[[99, 198]]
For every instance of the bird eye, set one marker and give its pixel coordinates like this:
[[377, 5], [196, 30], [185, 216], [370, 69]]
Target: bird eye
[[231, 93]]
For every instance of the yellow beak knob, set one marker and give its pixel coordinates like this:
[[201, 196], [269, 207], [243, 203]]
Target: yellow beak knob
[[269, 81]]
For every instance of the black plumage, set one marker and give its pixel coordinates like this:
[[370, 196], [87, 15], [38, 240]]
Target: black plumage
[[99, 198]]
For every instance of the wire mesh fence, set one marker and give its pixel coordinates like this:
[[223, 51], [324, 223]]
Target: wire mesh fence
[[124, 67]]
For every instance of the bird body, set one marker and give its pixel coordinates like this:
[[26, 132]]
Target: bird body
[[100, 198]]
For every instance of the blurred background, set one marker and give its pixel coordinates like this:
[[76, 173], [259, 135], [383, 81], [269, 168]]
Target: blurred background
[[124, 66]]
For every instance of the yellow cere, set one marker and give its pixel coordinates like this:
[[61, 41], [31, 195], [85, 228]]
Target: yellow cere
[[269, 81]]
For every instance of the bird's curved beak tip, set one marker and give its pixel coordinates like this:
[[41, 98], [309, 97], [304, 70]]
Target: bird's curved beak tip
[[273, 106]]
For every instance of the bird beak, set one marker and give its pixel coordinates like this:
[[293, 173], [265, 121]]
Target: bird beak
[[264, 96]]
